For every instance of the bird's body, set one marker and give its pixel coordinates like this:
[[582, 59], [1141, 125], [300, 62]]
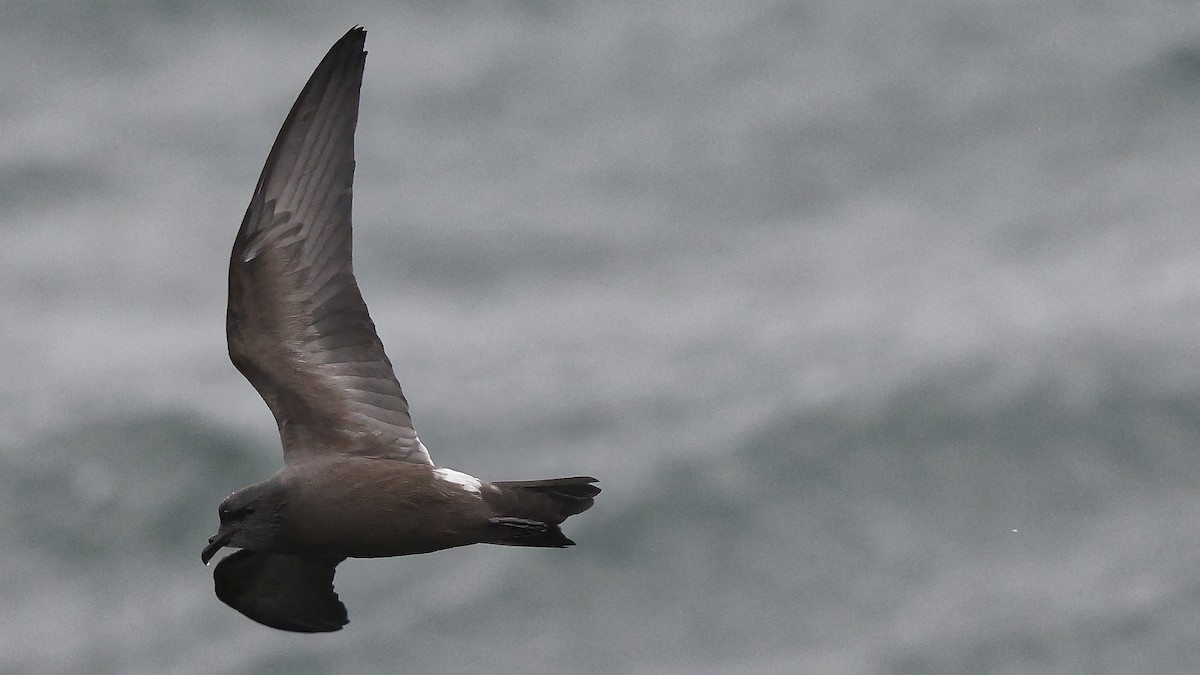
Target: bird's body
[[357, 481], [424, 513], [372, 507]]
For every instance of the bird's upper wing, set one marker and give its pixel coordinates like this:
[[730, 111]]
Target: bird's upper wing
[[297, 325], [288, 592]]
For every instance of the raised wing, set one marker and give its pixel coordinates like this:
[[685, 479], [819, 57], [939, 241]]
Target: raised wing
[[297, 325]]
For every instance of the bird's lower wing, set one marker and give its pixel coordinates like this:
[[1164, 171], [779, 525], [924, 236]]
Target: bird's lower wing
[[287, 592]]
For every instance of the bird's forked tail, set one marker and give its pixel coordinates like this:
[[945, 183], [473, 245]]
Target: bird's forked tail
[[531, 510]]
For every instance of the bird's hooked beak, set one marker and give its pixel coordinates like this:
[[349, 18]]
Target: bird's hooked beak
[[216, 543]]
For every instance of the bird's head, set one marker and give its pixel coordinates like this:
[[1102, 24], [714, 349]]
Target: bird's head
[[250, 518]]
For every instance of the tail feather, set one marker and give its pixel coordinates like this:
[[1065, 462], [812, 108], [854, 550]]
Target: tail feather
[[530, 511], [572, 495], [524, 532]]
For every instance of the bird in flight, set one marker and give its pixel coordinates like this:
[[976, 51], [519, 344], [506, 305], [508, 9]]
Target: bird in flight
[[356, 479]]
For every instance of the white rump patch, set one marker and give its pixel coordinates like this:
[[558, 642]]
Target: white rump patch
[[464, 481]]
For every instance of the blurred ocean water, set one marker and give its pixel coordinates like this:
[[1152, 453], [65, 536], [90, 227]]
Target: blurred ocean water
[[878, 323]]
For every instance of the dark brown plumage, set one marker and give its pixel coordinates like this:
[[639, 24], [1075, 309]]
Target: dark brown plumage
[[356, 480]]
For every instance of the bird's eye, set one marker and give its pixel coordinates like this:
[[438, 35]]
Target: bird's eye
[[223, 512], [248, 510]]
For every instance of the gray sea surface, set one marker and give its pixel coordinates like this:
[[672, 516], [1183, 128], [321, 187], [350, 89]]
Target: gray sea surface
[[879, 323]]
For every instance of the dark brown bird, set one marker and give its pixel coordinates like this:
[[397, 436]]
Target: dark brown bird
[[356, 480]]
